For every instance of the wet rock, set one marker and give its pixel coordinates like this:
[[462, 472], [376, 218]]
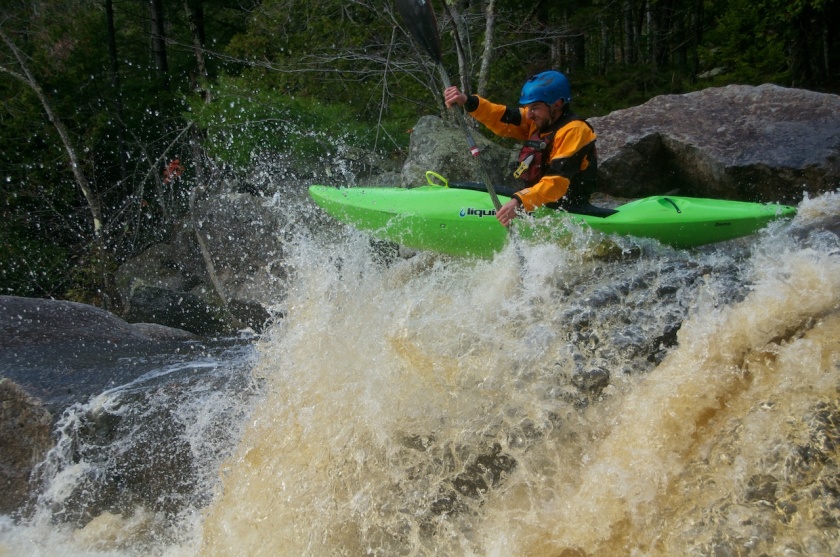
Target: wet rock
[[162, 266], [184, 310], [442, 148], [62, 352], [483, 472], [28, 321], [133, 454], [591, 382], [156, 331], [764, 143], [250, 313], [25, 437], [33, 321]]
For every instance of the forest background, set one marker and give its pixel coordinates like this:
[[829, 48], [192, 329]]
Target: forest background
[[114, 112]]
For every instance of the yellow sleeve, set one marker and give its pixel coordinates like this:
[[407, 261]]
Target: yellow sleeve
[[497, 118], [548, 190]]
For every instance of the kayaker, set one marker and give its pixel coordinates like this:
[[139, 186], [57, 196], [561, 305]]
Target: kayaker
[[558, 164]]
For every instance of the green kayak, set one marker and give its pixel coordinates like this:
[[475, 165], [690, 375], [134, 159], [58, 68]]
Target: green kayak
[[460, 220]]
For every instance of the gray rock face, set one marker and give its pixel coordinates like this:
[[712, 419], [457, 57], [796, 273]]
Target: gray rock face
[[32, 321], [443, 149], [171, 266], [765, 143], [245, 239], [170, 283], [25, 437], [183, 310], [54, 349]]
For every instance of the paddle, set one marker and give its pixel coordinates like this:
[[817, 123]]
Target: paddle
[[420, 20]]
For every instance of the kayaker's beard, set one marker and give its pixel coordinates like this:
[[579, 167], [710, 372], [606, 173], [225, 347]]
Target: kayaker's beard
[[555, 115], [545, 125]]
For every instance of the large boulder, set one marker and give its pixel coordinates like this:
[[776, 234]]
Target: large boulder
[[765, 143], [442, 148], [26, 322], [173, 308], [244, 236], [63, 352], [170, 283], [171, 266]]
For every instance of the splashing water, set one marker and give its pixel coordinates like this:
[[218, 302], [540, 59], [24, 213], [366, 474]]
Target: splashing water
[[549, 402]]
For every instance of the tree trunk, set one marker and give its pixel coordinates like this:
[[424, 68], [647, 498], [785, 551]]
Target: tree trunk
[[28, 79], [629, 54], [577, 54], [487, 55], [25, 76], [195, 19], [658, 32], [605, 48], [698, 39], [462, 46], [159, 39], [205, 252], [116, 86]]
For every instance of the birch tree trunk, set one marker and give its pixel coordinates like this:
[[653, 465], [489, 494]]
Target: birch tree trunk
[[487, 54], [26, 77], [462, 45]]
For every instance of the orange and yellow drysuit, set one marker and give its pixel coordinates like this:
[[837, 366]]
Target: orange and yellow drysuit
[[569, 164]]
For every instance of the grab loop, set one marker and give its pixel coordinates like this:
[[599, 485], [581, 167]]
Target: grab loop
[[435, 179]]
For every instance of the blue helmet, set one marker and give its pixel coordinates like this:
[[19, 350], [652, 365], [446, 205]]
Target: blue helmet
[[547, 87]]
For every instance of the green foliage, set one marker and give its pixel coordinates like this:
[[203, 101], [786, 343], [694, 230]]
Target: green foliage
[[598, 95], [30, 265], [245, 122], [750, 47]]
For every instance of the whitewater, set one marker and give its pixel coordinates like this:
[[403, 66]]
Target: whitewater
[[557, 400]]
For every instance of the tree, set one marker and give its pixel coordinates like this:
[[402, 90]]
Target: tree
[[25, 75], [158, 34]]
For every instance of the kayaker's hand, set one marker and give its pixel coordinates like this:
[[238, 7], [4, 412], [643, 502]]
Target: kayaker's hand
[[453, 95], [507, 212]]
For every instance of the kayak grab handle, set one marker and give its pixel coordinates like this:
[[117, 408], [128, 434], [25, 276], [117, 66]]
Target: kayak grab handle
[[671, 201], [433, 177]]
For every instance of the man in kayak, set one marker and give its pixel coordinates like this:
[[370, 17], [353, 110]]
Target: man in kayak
[[558, 164]]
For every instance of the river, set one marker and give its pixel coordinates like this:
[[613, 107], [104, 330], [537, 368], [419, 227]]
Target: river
[[556, 401]]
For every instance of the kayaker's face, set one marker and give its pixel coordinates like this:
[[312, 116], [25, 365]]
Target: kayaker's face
[[542, 114]]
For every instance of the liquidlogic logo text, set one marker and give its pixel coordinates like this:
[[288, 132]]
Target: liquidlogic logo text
[[470, 212]]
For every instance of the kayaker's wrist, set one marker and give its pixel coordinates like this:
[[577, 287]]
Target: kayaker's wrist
[[472, 103]]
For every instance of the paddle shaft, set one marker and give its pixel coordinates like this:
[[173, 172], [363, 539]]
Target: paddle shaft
[[474, 150], [419, 17]]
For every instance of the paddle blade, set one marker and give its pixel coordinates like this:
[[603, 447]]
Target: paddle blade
[[419, 17]]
